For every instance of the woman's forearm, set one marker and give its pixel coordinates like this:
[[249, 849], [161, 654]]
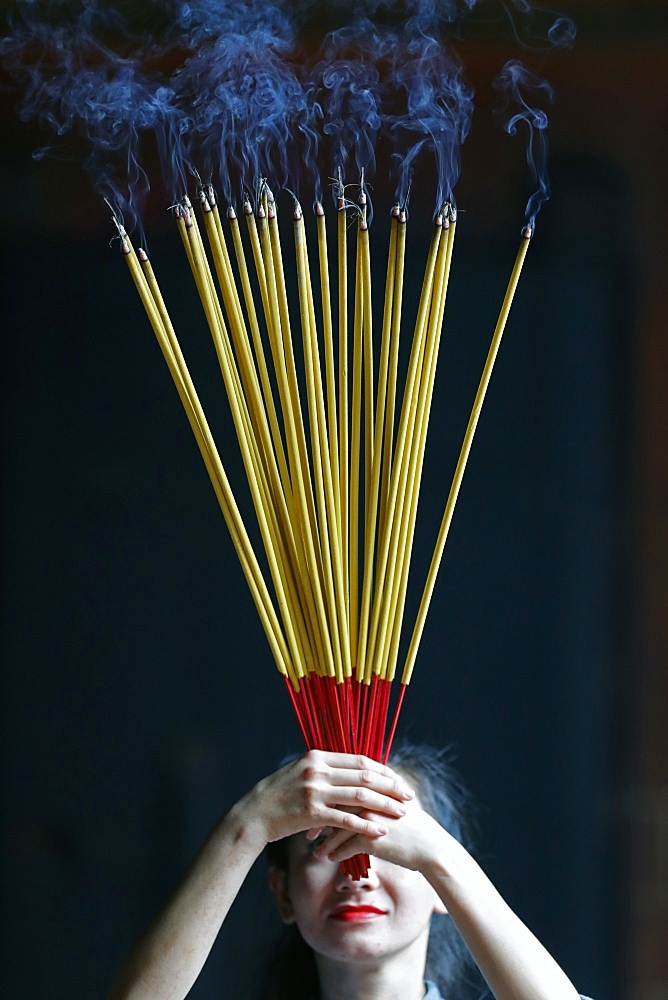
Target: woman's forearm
[[168, 957], [514, 963]]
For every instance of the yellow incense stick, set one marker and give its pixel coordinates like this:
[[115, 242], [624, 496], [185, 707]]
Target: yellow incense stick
[[416, 457], [372, 512], [301, 480], [328, 338], [261, 246], [355, 446], [261, 361], [404, 425], [259, 408], [405, 468], [244, 356], [397, 300], [319, 450], [294, 545], [199, 426], [367, 369], [463, 456], [285, 591], [331, 492], [342, 272], [290, 364]]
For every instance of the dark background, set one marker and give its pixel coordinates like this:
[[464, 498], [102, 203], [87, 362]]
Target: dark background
[[139, 694]]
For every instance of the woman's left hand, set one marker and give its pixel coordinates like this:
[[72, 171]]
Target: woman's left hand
[[411, 840]]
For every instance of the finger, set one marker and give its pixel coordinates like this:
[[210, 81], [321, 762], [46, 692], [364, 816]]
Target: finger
[[341, 848], [353, 823], [347, 769], [362, 799], [335, 840]]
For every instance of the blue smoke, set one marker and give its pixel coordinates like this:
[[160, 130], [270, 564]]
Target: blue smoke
[[352, 93], [436, 116], [539, 27], [237, 90], [518, 86]]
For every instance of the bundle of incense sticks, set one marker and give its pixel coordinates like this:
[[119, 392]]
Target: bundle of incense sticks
[[333, 453]]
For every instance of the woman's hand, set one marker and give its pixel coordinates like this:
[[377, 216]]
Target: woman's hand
[[411, 840], [346, 792]]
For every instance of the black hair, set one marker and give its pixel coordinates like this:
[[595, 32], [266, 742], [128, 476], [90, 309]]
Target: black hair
[[291, 973]]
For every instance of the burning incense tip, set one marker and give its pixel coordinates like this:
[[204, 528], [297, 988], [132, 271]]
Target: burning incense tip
[[527, 232], [319, 210], [248, 208], [396, 211], [143, 256], [297, 212], [125, 246], [231, 214], [261, 214], [181, 212], [403, 216], [204, 202]]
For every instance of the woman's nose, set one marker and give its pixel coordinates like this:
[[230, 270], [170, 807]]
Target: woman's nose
[[346, 883]]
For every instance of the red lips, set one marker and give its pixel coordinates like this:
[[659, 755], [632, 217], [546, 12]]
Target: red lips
[[349, 913]]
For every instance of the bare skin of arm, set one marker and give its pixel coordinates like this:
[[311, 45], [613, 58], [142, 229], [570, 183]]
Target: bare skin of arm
[[319, 790]]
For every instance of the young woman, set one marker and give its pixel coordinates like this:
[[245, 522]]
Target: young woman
[[355, 940]]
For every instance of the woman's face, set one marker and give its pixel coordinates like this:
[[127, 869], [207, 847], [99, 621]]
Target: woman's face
[[376, 917]]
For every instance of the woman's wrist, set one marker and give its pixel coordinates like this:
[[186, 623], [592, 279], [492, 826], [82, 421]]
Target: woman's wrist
[[450, 869], [244, 825]]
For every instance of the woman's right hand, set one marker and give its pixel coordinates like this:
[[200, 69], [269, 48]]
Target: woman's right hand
[[324, 789]]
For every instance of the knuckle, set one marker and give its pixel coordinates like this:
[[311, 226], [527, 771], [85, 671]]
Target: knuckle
[[361, 795], [312, 759], [309, 797]]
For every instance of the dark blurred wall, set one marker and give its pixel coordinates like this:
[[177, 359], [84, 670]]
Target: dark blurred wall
[[139, 695]]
